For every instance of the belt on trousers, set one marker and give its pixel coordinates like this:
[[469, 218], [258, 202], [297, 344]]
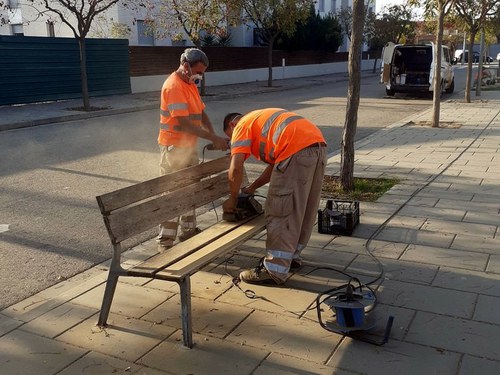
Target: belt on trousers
[[317, 144]]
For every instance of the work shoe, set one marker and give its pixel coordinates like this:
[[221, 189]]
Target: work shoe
[[187, 235], [258, 275]]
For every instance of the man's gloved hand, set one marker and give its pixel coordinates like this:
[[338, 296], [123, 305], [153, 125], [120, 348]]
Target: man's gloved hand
[[220, 143], [230, 205]]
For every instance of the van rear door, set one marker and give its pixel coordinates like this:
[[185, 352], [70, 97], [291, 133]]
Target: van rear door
[[385, 69]]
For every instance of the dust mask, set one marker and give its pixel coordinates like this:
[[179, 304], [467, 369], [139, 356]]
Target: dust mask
[[194, 78]]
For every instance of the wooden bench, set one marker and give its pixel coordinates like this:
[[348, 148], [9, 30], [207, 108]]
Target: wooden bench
[[138, 208]]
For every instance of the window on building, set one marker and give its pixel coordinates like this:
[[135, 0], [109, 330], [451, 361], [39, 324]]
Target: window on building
[[333, 8], [143, 37], [259, 38], [321, 6]]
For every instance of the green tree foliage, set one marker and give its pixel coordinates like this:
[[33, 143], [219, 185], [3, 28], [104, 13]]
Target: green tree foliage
[[317, 33], [474, 15], [274, 18], [393, 24]]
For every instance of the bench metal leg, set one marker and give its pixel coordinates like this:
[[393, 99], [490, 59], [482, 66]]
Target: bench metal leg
[[107, 299], [187, 333]]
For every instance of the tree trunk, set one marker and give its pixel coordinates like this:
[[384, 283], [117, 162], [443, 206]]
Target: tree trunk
[[353, 93], [436, 84], [469, 65], [83, 74]]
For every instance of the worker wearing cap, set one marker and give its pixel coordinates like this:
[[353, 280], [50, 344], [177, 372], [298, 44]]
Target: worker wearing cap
[[295, 151], [182, 121]]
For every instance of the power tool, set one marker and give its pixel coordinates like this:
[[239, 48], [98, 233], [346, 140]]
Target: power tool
[[350, 305], [247, 206]]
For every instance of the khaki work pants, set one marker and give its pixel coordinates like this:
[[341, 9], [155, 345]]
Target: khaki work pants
[[292, 207], [173, 159]]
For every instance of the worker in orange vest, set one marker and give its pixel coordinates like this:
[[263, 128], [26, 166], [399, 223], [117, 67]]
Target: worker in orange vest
[[182, 121], [295, 151]]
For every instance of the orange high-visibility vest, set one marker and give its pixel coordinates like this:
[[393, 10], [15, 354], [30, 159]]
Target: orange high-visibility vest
[[178, 99], [273, 135]]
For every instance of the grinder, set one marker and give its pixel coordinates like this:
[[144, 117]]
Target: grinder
[[247, 206]]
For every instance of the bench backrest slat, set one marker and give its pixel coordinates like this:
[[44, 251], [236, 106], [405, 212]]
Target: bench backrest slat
[[129, 221], [172, 181]]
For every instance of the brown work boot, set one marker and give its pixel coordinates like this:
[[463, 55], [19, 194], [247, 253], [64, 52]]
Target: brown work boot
[[187, 235], [259, 275]]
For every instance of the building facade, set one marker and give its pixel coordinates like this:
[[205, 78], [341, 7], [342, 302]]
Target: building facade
[[122, 22]]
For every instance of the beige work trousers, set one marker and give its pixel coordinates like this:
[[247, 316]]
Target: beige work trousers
[[291, 207], [173, 159]]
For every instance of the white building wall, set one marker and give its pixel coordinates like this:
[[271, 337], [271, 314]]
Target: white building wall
[[241, 35]]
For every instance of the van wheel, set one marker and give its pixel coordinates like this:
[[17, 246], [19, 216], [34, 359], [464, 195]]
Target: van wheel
[[451, 88], [390, 92]]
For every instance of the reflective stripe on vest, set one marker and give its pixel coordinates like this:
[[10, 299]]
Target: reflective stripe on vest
[[280, 128]]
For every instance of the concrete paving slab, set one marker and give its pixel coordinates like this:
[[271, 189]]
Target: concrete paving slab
[[55, 322], [470, 229], [395, 269], [129, 300], [210, 318], [494, 264], [307, 340], [487, 309], [446, 257], [280, 364], [8, 324], [99, 364], [124, 337], [468, 281], [482, 218], [432, 212], [483, 207], [401, 221], [427, 298], [209, 355], [282, 299], [395, 357], [417, 237], [476, 244], [23, 353], [455, 334], [208, 285], [474, 365]]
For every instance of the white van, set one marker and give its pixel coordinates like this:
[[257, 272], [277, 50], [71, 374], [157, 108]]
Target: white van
[[410, 68]]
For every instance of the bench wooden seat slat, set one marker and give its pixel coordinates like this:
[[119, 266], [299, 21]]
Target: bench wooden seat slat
[[128, 195], [182, 249], [193, 262]]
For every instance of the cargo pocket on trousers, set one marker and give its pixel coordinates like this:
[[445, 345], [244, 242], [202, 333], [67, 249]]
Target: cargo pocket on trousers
[[280, 204]]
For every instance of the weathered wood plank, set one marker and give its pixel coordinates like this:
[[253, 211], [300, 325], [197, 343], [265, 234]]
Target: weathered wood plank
[[172, 181], [136, 219], [193, 262], [183, 249]]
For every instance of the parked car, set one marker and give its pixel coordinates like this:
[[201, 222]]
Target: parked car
[[410, 68], [498, 56], [475, 57]]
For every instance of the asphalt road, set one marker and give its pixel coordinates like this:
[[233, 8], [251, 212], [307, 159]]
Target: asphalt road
[[50, 226]]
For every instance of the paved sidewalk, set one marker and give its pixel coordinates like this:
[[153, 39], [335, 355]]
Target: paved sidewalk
[[436, 233]]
